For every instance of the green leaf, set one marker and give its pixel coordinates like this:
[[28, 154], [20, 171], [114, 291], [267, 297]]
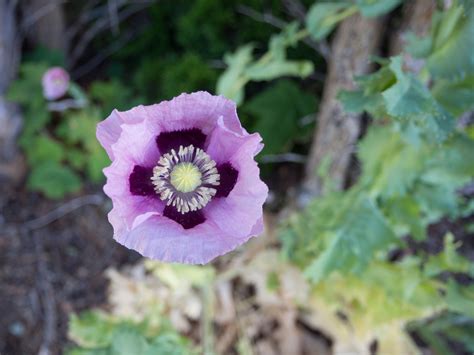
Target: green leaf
[[78, 128], [127, 340], [456, 97], [28, 92], [276, 120], [448, 260], [28, 87], [232, 82], [372, 8], [409, 100], [242, 68], [43, 148], [275, 69], [98, 160], [418, 47], [99, 333], [406, 217], [460, 299], [91, 329], [54, 180], [453, 39], [324, 16], [453, 328], [79, 351], [360, 231], [390, 164], [111, 95], [385, 293], [274, 63], [169, 343], [190, 73], [369, 96], [76, 158]]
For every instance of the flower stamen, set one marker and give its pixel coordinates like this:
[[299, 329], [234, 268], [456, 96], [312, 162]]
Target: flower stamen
[[186, 179]]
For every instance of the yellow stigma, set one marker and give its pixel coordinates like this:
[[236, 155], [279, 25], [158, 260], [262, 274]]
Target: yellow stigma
[[185, 177]]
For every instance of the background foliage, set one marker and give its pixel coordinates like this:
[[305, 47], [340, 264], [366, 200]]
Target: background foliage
[[359, 254]]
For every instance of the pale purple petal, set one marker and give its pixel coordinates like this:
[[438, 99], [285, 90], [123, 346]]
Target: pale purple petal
[[197, 110], [238, 213], [130, 151], [162, 239], [109, 130]]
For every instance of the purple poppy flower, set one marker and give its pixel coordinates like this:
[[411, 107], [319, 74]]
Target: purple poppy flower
[[183, 180], [55, 83]]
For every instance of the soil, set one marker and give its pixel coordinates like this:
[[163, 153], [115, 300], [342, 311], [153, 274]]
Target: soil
[[48, 271]]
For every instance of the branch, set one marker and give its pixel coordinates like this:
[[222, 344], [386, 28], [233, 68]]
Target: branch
[[100, 25], [38, 14], [284, 158], [63, 210], [46, 292], [321, 47], [103, 55]]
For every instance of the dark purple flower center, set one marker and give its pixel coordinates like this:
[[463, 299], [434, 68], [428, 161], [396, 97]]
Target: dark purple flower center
[[185, 177], [140, 181], [173, 140]]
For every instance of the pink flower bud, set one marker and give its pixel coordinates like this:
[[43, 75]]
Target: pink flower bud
[[55, 83]]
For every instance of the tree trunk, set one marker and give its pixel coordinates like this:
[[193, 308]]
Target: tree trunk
[[336, 134], [10, 119], [45, 24]]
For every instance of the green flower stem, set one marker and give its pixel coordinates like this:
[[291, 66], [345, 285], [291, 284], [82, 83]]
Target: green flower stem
[[207, 331]]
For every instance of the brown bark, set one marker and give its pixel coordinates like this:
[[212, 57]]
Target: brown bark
[[357, 38]]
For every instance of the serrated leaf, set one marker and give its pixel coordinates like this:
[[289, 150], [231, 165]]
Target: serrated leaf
[[369, 98], [277, 121], [54, 180], [324, 16], [409, 100], [391, 165], [361, 230]]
